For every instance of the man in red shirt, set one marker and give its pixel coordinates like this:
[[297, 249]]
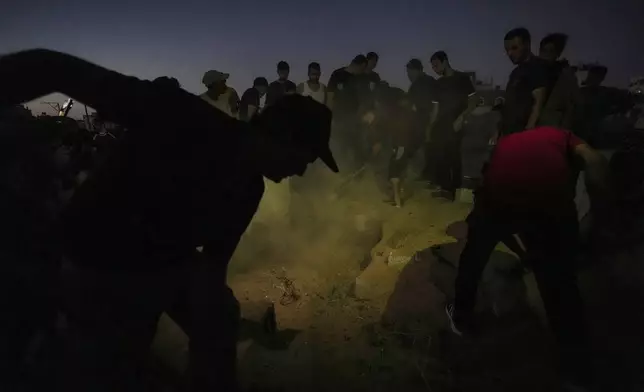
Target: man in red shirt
[[528, 188]]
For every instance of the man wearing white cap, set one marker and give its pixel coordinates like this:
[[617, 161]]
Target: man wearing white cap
[[219, 94]]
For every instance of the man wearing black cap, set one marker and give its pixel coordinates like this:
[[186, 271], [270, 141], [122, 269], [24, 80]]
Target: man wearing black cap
[[422, 94], [282, 85], [250, 100], [343, 97], [157, 199]]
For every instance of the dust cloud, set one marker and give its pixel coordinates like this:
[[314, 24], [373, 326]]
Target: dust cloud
[[305, 221]]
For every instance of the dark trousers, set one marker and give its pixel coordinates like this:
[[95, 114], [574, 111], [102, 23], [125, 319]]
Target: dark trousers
[[28, 299], [551, 244], [448, 165], [208, 312], [112, 319], [429, 168]]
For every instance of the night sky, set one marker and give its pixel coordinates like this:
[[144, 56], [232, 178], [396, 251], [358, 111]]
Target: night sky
[[248, 37]]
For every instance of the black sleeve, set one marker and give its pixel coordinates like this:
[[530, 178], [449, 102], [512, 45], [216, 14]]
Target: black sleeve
[[435, 91], [272, 93], [290, 87], [467, 85], [538, 76], [334, 80]]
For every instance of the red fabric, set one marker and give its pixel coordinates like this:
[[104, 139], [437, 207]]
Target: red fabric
[[532, 169]]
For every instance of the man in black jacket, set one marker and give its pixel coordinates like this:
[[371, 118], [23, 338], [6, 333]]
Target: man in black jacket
[[160, 194]]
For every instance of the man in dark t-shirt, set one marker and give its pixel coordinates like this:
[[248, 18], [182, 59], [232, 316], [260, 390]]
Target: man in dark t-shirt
[[344, 89], [249, 105], [282, 85], [526, 91], [343, 97], [369, 81], [456, 99], [422, 94]]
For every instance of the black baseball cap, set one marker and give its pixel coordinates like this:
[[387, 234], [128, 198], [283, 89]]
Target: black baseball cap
[[415, 64], [302, 121]]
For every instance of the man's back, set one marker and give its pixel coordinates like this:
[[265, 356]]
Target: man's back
[[532, 169], [163, 188]]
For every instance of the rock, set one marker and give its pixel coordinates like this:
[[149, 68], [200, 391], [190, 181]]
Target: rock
[[398, 258], [376, 282], [415, 298], [458, 230], [368, 231], [465, 196], [502, 291], [255, 310]]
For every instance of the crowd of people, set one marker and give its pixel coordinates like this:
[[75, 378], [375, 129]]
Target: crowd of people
[[370, 125], [149, 219]]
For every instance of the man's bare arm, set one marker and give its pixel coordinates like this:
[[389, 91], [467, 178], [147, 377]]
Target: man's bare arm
[[30, 74], [539, 96], [594, 165], [300, 88]]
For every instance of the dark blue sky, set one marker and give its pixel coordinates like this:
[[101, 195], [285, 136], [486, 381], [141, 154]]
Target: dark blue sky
[[248, 37]]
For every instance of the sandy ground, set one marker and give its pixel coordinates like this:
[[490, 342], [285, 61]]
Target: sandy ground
[[364, 311], [377, 329]]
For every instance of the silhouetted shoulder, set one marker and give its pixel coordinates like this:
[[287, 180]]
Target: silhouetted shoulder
[[251, 97]]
